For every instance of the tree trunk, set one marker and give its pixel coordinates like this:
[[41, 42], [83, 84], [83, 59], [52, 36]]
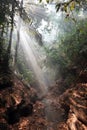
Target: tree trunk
[[18, 32], [8, 53]]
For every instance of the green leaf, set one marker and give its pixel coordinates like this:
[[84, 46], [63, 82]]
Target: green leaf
[[47, 1], [72, 5], [65, 9], [57, 7], [40, 1]]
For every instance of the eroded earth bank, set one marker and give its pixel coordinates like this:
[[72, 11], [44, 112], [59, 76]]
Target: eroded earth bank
[[59, 109]]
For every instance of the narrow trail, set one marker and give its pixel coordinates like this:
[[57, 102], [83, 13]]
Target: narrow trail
[[30, 47]]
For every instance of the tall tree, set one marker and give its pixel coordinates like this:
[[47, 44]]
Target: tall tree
[[18, 32], [11, 31], [8, 8]]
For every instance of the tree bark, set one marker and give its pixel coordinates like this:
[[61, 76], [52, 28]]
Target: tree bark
[[18, 32]]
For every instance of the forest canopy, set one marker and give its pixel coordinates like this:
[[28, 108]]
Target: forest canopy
[[68, 5]]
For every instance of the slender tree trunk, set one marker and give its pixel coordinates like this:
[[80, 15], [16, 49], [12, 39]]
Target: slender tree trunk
[[2, 31], [7, 30], [7, 58], [1, 46], [18, 32]]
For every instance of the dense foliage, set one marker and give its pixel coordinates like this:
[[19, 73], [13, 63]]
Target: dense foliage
[[7, 12], [68, 56], [68, 5]]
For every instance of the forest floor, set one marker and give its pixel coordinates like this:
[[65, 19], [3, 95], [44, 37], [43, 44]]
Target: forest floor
[[21, 109]]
